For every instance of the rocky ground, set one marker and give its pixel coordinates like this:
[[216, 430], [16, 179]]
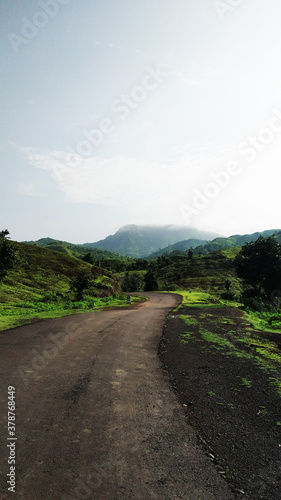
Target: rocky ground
[[225, 374]]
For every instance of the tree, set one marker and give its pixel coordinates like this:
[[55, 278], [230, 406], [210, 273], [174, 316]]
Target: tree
[[7, 254], [259, 265], [89, 258], [228, 295], [227, 284], [150, 281], [190, 254], [131, 283], [80, 284]]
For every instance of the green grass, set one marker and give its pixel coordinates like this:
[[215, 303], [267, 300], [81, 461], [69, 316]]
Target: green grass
[[218, 341], [38, 287], [245, 382], [276, 383], [196, 299], [219, 336], [185, 337], [29, 312], [264, 321], [188, 320]]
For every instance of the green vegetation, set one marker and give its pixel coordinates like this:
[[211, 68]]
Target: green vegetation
[[112, 261], [233, 241], [276, 383], [188, 320], [185, 337], [132, 282], [218, 341], [21, 314], [179, 248], [43, 284], [236, 336], [245, 382], [150, 281], [139, 241], [7, 254], [199, 274], [198, 300], [258, 264]]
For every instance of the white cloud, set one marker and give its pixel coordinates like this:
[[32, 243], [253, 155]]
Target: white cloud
[[26, 189], [185, 79], [124, 180], [156, 192]]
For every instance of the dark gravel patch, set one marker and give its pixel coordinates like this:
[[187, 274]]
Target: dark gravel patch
[[228, 399]]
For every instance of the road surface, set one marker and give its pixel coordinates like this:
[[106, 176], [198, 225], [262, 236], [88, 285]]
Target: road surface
[[96, 417]]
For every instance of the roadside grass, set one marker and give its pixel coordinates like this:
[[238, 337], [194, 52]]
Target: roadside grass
[[185, 337], [196, 299], [245, 382], [188, 320], [220, 334], [218, 342], [269, 321], [18, 314]]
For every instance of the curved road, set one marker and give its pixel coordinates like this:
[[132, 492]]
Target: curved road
[[96, 417]]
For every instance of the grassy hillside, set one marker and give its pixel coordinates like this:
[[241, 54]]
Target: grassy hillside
[[207, 273], [39, 286], [180, 246], [78, 251], [234, 241]]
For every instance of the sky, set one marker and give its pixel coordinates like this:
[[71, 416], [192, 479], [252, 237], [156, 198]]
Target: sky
[[117, 112]]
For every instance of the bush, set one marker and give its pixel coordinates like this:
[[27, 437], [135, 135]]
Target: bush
[[81, 283], [228, 296], [52, 297], [254, 303]]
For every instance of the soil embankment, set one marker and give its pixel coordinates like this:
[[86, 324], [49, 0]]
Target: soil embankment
[[220, 369]]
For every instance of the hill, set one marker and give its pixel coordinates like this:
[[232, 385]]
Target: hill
[[141, 241], [39, 270], [234, 241], [40, 282], [207, 273], [78, 251], [179, 247]]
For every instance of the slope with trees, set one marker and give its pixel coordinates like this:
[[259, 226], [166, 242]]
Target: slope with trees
[[7, 254], [258, 264]]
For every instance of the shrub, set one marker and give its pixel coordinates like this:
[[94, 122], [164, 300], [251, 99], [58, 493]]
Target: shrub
[[228, 296]]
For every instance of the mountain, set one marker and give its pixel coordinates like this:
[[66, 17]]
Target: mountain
[[236, 240], [179, 247], [141, 241]]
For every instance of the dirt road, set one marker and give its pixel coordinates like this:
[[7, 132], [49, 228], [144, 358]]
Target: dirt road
[[96, 417]]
